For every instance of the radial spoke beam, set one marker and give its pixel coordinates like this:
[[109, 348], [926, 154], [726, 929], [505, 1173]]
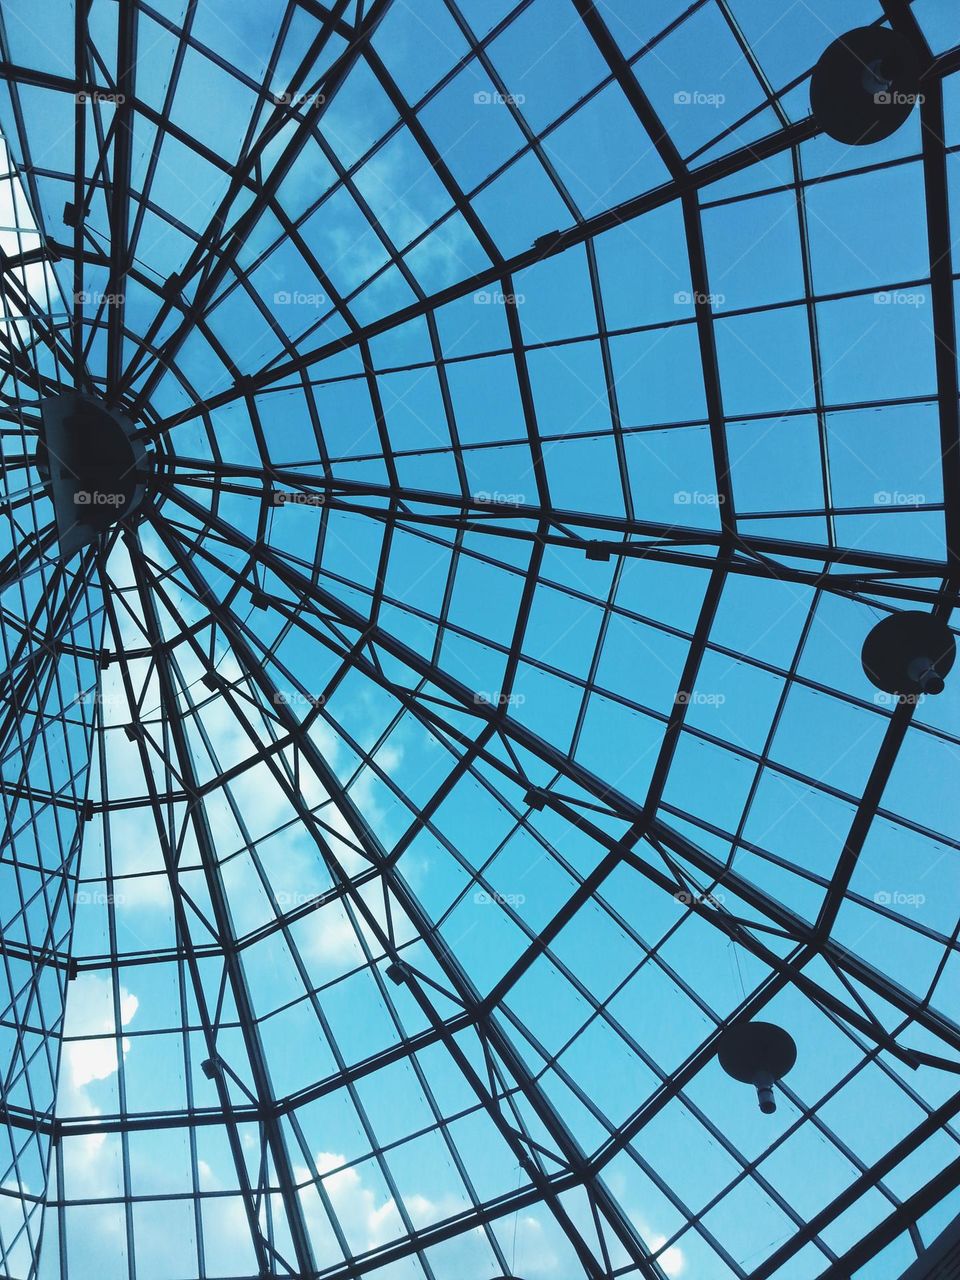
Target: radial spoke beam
[[121, 195], [677, 544], [216, 253], [210, 860], [454, 973], [713, 171], [506, 725]]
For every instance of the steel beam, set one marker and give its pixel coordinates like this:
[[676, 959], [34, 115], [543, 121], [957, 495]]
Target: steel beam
[[220, 905]]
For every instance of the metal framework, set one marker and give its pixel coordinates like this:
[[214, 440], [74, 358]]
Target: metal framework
[[469, 726]]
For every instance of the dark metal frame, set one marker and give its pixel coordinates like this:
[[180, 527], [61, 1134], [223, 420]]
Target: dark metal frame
[[485, 742]]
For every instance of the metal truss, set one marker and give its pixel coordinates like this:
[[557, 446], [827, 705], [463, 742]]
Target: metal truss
[[187, 631]]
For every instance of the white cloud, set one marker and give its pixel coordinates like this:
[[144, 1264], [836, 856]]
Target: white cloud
[[91, 1163], [366, 1224], [89, 1004], [672, 1261], [333, 939]]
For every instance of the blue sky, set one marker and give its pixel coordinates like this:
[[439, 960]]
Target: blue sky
[[575, 387]]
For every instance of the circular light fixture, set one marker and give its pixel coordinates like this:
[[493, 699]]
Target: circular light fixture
[[909, 654], [758, 1053], [865, 85]]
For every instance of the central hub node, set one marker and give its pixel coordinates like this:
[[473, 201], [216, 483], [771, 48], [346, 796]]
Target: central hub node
[[93, 467]]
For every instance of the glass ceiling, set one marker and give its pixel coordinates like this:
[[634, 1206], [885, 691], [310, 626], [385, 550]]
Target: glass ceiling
[[470, 724]]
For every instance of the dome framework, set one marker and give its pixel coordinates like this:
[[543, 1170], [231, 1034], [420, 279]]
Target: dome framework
[[468, 726]]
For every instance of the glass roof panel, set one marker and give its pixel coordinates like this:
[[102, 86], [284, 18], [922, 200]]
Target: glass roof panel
[[459, 740]]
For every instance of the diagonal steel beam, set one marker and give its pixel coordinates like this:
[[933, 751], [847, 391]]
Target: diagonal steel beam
[[213, 258], [189, 954], [460, 982], [577, 774], [908, 1212], [220, 906], [704, 175], [477, 516], [904, 1218], [120, 194]]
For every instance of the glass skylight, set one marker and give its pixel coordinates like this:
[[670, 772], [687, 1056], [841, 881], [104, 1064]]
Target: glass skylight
[[465, 726]]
